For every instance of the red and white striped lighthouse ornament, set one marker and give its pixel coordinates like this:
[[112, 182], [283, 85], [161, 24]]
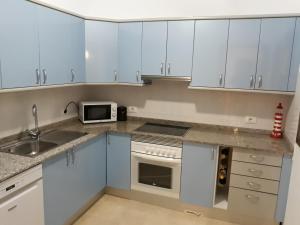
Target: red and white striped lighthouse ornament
[[277, 128]]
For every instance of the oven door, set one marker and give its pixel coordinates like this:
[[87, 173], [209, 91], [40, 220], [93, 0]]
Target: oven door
[[97, 113], [155, 175]]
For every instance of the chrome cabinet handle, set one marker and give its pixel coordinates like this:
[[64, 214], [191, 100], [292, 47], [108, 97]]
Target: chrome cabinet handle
[[38, 76], [257, 158], [68, 158], [255, 172], [162, 68], [137, 76], [116, 76], [169, 68], [73, 156], [221, 79], [251, 81], [108, 139], [45, 76], [12, 208], [260, 81], [254, 185], [213, 154], [73, 75], [252, 197]]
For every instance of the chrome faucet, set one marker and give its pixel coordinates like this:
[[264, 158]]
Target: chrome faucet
[[35, 133]]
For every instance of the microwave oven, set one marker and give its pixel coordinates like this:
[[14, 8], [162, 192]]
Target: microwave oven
[[97, 112]]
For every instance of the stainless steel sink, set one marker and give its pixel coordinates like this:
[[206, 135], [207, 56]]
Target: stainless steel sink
[[29, 148], [47, 141], [61, 137]]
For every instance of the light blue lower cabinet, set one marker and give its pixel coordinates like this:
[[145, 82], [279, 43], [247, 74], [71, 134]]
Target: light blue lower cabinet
[[118, 161], [283, 188], [70, 182], [198, 174]]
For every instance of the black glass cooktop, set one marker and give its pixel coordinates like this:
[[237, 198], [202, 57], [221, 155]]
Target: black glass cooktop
[[163, 129]]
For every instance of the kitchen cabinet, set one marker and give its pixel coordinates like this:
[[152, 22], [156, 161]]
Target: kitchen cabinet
[[118, 161], [274, 55], [54, 40], [283, 188], [19, 44], [154, 48], [210, 48], [102, 51], [77, 50], [130, 52], [72, 179], [180, 48], [295, 62], [242, 53], [198, 175]]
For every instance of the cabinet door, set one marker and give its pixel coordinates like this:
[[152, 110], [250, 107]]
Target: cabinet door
[[58, 188], [154, 48], [294, 70], [118, 161], [130, 52], [101, 40], [54, 39], [77, 50], [210, 48], [90, 170], [242, 53], [198, 174], [274, 56], [19, 44], [180, 48]]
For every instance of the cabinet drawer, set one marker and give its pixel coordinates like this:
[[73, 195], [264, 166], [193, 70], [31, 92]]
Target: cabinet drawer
[[252, 203], [255, 184], [256, 157], [255, 170]]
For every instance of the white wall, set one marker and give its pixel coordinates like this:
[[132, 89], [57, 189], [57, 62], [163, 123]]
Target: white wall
[[130, 9], [292, 211], [172, 100], [15, 108]]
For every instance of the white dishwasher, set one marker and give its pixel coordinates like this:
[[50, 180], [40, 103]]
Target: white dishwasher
[[21, 199]]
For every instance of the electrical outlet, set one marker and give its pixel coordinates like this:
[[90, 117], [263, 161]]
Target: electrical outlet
[[250, 119], [132, 109]]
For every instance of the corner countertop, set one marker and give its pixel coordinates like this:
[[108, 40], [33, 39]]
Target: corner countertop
[[11, 165]]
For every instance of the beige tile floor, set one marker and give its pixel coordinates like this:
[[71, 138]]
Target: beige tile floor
[[110, 210]]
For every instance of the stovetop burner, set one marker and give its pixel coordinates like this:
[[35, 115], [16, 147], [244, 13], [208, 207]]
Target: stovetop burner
[[163, 129]]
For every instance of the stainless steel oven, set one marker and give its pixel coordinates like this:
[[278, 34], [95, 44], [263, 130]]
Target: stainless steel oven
[[156, 166]]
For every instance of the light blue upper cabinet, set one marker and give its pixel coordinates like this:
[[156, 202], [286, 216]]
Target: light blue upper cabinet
[[198, 174], [242, 53], [77, 50], [294, 70], [130, 52], [274, 56], [118, 161], [180, 48], [54, 35], [19, 44], [210, 48], [101, 51], [154, 48]]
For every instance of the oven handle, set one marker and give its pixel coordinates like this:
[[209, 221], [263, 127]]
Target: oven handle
[[156, 158]]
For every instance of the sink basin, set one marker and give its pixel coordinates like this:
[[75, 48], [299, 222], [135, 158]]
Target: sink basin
[[47, 141], [29, 148], [61, 137]]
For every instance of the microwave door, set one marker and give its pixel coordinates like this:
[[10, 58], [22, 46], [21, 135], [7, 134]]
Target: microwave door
[[97, 112]]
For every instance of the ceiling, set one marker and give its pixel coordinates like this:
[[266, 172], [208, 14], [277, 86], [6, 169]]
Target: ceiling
[[143, 9]]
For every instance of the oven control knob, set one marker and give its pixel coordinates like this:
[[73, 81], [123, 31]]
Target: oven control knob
[[113, 109]]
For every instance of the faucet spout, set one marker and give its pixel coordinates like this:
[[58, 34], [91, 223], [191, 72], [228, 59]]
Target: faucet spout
[[35, 133]]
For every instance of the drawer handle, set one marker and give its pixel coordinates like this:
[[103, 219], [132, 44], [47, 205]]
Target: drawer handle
[[252, 198], [253, 185], [255, 172], [257, 158], [12, 208]]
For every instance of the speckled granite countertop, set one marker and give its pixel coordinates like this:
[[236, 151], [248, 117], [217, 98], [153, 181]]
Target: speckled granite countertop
[[11, 165]]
